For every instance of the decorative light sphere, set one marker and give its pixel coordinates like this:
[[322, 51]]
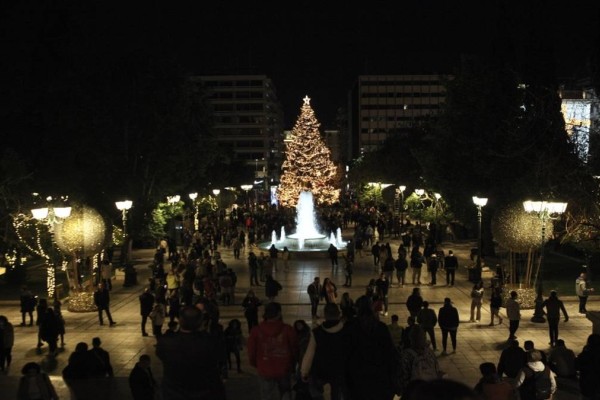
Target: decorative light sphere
[[518, 231], [84, 232]]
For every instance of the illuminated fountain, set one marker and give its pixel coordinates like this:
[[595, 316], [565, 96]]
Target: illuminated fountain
[[307, 237]]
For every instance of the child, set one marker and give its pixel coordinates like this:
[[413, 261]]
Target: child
[[233, 339]]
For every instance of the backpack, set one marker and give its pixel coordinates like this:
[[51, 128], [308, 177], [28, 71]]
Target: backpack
[[542, 383], [423, 366]]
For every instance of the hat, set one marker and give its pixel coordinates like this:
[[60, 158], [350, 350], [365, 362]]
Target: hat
[[272, 310]]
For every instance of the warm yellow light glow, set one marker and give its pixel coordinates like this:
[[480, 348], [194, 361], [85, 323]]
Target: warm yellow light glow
[[216, 191], [193, 196], [123, 205], [40, 213], [480, 201]]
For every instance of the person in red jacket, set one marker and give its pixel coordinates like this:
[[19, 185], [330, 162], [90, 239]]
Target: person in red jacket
[[272, 350]]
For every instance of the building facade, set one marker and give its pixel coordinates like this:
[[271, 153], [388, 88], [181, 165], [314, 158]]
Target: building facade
[[247, 118], [381, 105]]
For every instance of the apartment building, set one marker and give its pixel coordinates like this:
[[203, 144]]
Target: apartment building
[[247, 117], [382, 105]]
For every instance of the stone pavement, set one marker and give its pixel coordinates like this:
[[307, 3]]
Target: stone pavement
[[477, 342]]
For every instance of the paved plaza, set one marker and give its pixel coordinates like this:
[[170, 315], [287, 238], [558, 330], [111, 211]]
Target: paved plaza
[[477, 342]]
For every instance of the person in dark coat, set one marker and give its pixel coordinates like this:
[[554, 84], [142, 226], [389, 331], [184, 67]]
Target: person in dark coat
[[141, 380], [28, 303], [146, 305], [448, 321], [370, 363], [588, 365], [272, 287], [512, 359], [191, 360], [102, 301], [101, 360], [250, 305], [50, 330], [554, 306], [414, 302]]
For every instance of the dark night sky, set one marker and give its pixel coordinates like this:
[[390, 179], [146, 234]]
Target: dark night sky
[[320, 47]]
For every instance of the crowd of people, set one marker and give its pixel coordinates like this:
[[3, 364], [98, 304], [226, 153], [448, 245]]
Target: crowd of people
[[347, 346]]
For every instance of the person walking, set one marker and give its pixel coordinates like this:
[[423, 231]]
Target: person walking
[[433, 265], [401, 265], [348, 269], [416, 263], [49, 331], [233, 341], [102, 302], [495, 304], [376, 252], [141, 380], [554, 306], [382, 287], [450, 265], [28, 303], [273, 351], [273, 255], [414, 302], [285, 256], [329, 291], [428, 320], [513, 312], [476, 301], [146, 304], [314, 294], [250, 305], [253, 266], [324, 360], [583, 291], [272, 287], [7, 341], [332, 251], [448, 321], [158, 316]]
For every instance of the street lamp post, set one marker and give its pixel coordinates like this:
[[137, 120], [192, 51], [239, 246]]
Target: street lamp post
[[50, 216], [479, 202], [545, 210], [193, 197], [124, 206], [402, 188]]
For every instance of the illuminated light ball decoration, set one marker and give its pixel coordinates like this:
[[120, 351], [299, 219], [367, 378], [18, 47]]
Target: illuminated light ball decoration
[[81, 302], [84, 232], [519, 231]]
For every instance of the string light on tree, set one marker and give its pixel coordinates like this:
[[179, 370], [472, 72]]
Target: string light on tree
[[307, 165]]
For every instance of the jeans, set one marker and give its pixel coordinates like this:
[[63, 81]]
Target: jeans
[[275, 389]]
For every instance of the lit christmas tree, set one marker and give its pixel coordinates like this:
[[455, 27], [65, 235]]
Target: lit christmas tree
[[308, 165]]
